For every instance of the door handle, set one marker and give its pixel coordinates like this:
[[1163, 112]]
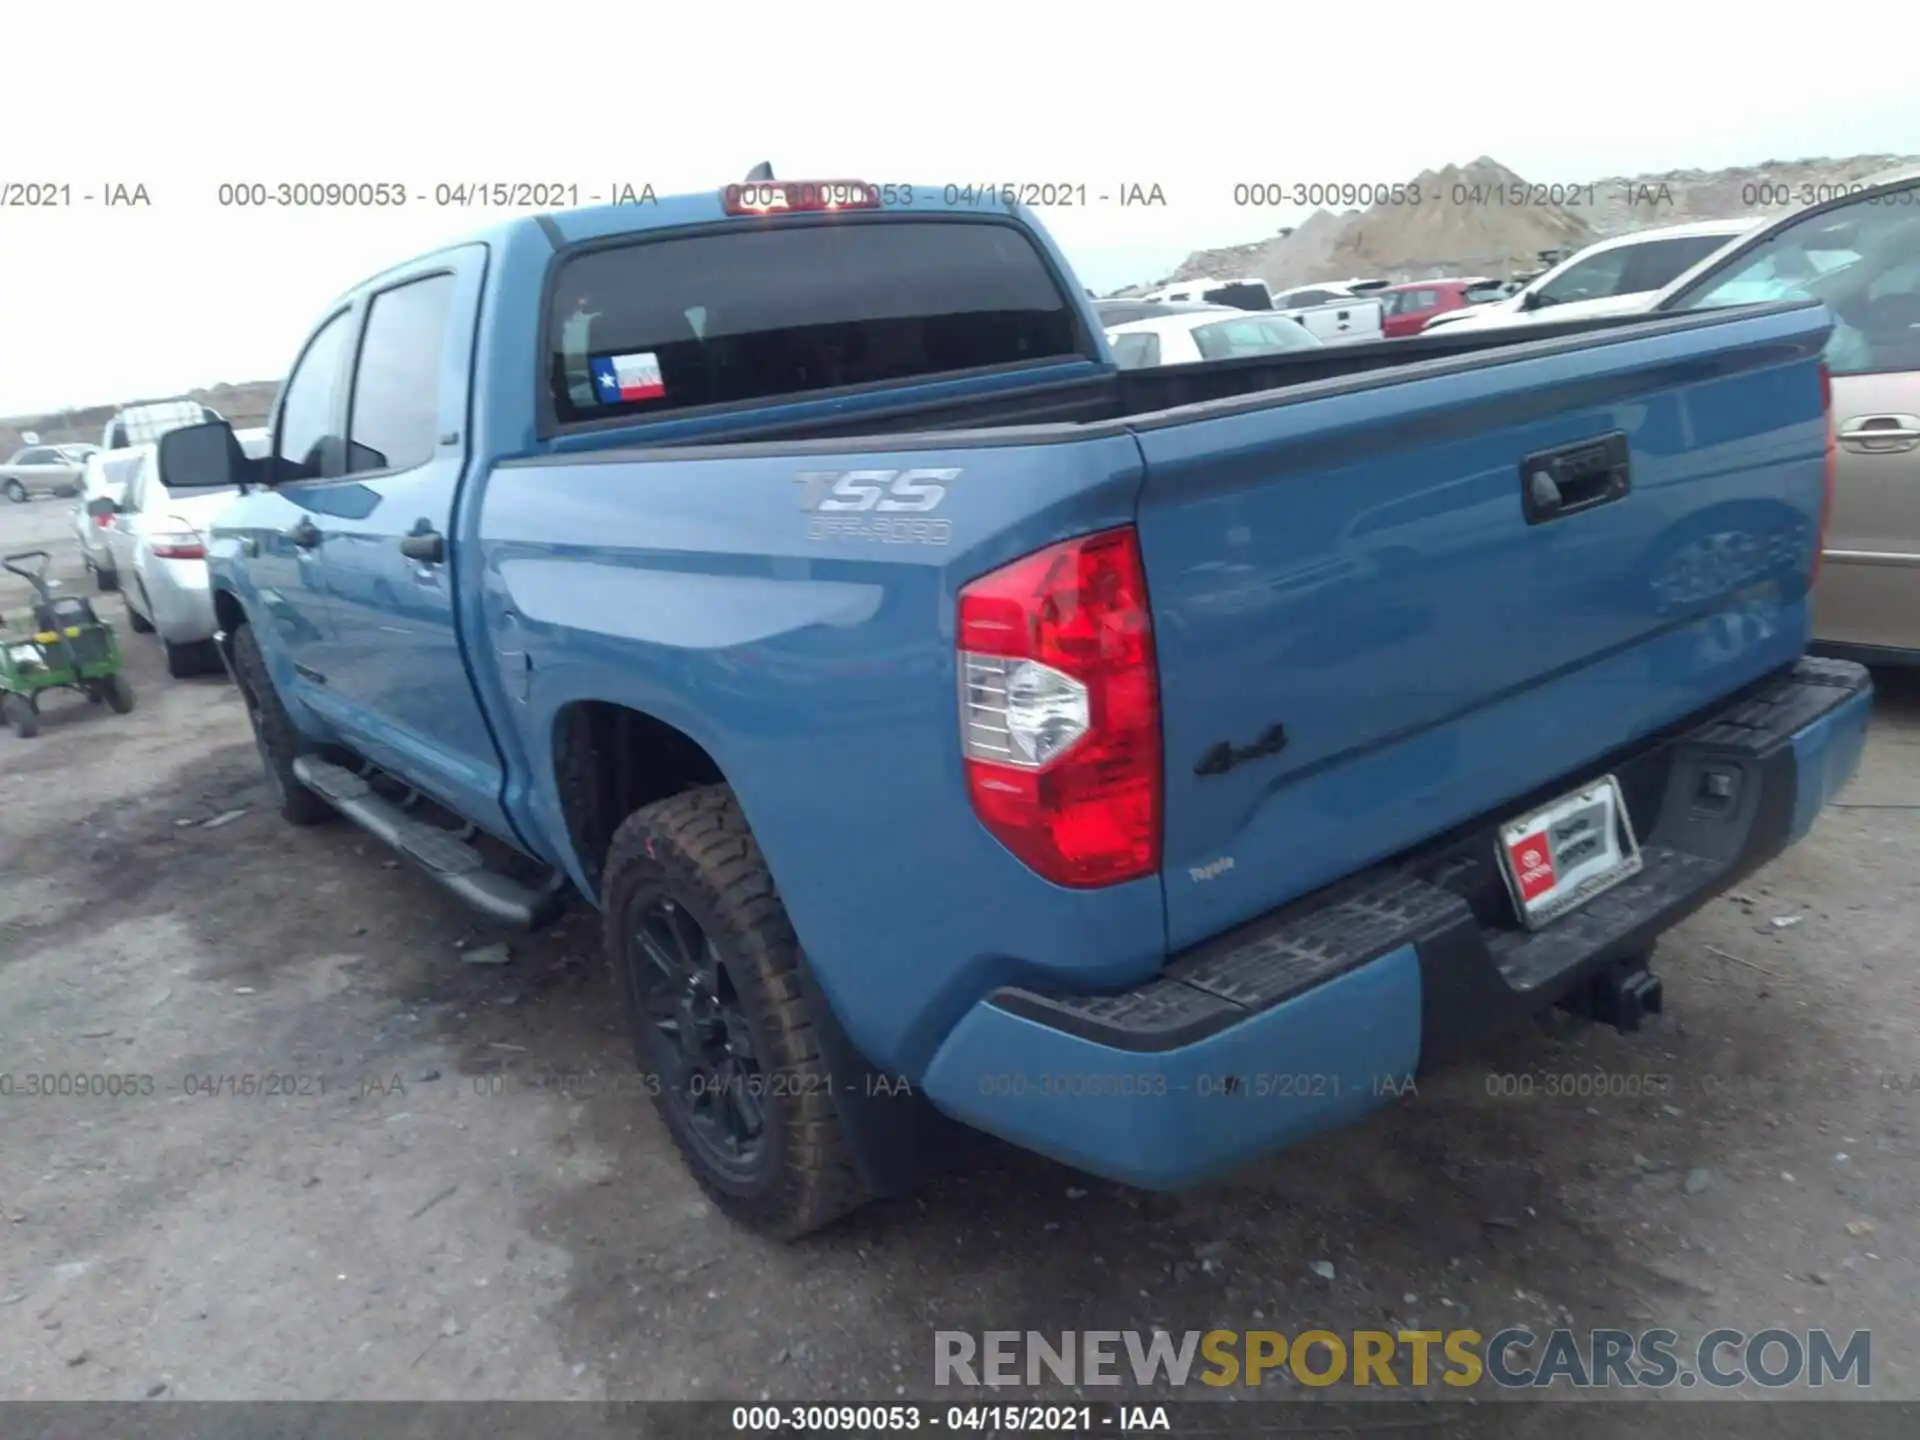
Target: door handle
[[1897, 432], [1573, 478], [304, 534], [429, 547]]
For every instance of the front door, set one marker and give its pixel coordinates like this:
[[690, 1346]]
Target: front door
[[396, 678], [285, 565]]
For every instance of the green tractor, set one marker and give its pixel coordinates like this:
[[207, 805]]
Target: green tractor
[[65, 646]]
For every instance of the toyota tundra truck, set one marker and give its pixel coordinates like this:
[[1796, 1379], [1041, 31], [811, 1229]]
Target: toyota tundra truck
[[958, 734]]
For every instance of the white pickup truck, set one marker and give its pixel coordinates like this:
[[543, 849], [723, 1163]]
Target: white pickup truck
[[1243, 292], [1331, 310], [1334, 310]]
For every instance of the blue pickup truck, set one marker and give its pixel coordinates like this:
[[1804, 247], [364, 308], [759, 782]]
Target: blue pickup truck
[[959, 734]]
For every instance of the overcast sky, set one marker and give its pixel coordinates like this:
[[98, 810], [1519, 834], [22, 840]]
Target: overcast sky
[[100, 304]]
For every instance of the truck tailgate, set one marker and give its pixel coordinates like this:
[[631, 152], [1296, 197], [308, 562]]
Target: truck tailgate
[[1366, 633]]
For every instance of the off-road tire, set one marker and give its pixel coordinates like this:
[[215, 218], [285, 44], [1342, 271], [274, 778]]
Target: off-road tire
[[21, 715], [117, 691], [16, 492], [274, 735], [696, 849], [137, 622]]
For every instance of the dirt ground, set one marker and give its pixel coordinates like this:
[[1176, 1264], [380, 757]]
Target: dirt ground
[[439, 1211]]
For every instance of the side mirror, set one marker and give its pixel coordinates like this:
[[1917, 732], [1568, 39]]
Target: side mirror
[[1530, 301], [101, 506], [202, 457]]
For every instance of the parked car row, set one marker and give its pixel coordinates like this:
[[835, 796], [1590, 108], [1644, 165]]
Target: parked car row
[[1331, 311], [1615, 276]]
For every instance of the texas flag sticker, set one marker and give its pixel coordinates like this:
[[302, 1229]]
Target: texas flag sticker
[[620, 378]]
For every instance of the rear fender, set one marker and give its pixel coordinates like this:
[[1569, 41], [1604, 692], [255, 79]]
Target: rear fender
[[814, 663]]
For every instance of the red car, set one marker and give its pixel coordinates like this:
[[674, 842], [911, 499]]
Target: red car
[[1410, 306]]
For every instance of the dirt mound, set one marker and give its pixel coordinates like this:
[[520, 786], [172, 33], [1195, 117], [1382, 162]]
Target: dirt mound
[[1483, 218], [1480, 216], [1625, 203]]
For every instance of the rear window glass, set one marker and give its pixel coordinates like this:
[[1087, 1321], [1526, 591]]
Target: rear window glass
[[1229, 339], [1136, 351], [765, 314], [1241, 297]]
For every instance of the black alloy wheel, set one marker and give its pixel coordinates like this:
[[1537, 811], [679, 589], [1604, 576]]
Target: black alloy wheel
[[701, 1039]]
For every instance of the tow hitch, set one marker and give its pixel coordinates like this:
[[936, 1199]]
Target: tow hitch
[[1622, 995]]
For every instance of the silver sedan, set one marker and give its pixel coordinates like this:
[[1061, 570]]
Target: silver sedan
[[156, 537], [40, 470]]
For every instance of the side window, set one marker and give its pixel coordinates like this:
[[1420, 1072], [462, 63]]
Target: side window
[[394, 422], [1136, 351], [1859, 259], [1655, 266], [307, 450], [1286, 335], [37, 457], [1225, 339], [1592, 279]]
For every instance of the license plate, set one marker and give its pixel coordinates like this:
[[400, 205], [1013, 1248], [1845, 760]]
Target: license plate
[[1560, 856]]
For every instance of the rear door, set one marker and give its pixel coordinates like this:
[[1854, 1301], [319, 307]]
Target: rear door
[[1353, 595], [397, 684]]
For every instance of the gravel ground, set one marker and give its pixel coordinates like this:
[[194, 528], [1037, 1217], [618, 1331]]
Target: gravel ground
[[437, 1212]]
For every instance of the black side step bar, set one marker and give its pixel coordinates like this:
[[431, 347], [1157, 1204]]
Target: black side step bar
[[443, 854]]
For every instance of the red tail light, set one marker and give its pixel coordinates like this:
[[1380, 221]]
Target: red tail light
[[103, 521], [1060, 710], [1827, 480], [183, 542]]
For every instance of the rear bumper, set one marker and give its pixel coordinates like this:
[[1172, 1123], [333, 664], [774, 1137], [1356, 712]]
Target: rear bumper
[[1309, 1017], [182, 602]]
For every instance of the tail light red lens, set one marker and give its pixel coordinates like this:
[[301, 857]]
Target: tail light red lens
[[1830, 476], [1060, 710], [183, 542]]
